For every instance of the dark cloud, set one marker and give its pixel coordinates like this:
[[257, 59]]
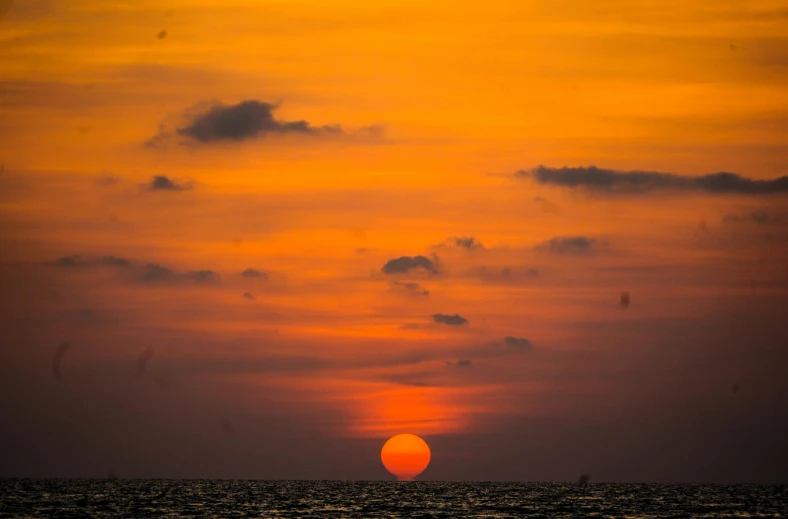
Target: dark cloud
[[58, 358], [143, 359], [253, 273], [452, 320], [245, 120], [248, 296], [502, 274], [151, 272], [163, 183], [547, 206], [405, 264], [519, 343], [409, 379], [107, 179], [70, 261], [462, 242], [758, 216], [411, 289], [78, 261], [112, 261], [154, 273], [568, 245], [202, 276], [631, 182]]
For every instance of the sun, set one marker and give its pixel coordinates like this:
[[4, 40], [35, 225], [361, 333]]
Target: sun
[[405, 455]]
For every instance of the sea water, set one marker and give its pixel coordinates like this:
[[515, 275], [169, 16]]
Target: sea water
[[83, 498]]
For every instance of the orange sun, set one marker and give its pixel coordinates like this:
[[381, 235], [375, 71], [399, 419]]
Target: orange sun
[[405, 455]]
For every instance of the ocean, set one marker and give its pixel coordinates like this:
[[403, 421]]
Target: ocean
[[105, 498]]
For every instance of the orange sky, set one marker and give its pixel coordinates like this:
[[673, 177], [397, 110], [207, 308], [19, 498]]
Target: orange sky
[[440, 104]]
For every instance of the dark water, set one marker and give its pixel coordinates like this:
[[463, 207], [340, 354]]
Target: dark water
[[206, 498]]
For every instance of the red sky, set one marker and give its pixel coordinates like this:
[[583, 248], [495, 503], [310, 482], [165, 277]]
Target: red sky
[[275, 233]]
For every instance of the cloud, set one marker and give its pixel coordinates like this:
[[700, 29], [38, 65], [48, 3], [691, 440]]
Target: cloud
[[547, 206], [246, 120], [112, 261], [107, 179], [253, 273], [154, 273], [756, 216], [409, 379], [502, 274], [633, 182], [202, 276], [568, 245], [151, 272], [76, 260], [405, 264], [70, 261], [411, 289], [163, 183], [451, 320], [519, 343], [462, 242], [248, 296]]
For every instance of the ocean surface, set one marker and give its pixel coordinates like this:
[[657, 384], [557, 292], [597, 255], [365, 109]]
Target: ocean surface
[[206, 498]]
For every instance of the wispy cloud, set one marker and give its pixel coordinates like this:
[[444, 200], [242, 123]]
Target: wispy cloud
[[411, 289], [451, 320], [254, 273], [519, 343], [164, 183], [757, 216], [405, 264], [569, 245], [461, 242], [597, 179], [248, 119]]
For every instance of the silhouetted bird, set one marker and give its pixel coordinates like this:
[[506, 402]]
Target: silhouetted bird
[[58, 358], [143, 359], [624, 300], [227, 427], [162, 383], [584, 479], [162, 34]]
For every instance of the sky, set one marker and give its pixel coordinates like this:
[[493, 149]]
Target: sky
[[255, 239]]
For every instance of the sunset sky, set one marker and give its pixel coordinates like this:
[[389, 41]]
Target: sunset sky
[[257, 238]]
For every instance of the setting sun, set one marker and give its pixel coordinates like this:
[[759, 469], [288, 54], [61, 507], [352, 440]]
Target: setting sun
[[405, 455]]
